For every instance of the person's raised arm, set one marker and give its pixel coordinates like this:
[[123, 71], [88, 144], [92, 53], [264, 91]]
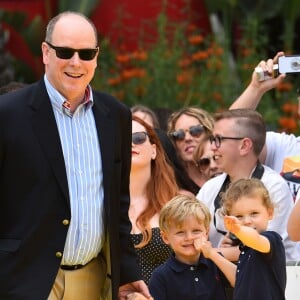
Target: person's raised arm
[[253, 93], [293, 226], [247, 235]]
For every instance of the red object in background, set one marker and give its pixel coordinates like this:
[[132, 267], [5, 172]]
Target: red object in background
[[123, 21], [126, 22], [16, 45]]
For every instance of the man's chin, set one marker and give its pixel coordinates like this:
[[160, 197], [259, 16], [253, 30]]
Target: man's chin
[[216, 174]]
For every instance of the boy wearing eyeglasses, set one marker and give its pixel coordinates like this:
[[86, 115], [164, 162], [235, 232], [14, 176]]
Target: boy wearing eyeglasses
[[261, 269], [187, 274], [237, 140]]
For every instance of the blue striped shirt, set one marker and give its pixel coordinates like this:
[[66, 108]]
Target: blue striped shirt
[[81, 151]]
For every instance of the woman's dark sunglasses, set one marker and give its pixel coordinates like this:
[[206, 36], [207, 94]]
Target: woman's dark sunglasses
[[67, 53], [194, 131], [139, 138], [203, 163]]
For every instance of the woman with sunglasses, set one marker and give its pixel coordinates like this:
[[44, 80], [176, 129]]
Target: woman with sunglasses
[[152, 184], [186, 127], [204, 159]]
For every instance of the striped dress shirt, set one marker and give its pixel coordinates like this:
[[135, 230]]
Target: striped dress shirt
[[81, 151]]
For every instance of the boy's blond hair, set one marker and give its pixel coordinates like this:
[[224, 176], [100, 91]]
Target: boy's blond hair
[[249, 187], [181, 207]]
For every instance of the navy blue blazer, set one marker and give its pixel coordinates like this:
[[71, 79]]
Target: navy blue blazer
[[34, 197]]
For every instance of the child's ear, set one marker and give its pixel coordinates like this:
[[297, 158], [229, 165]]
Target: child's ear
[[207, 233], [271, 213], [164, 237]]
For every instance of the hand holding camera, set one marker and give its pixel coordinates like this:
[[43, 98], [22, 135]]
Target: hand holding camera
[[286, 64]]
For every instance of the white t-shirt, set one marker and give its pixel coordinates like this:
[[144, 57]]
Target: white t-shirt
[[280, 195], [279, 147]]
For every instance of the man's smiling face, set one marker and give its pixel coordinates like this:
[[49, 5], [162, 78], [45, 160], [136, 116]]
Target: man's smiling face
[[70, 76]]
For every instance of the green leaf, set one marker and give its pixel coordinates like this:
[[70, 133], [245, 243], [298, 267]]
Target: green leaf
[[33, 35], [82, 6]]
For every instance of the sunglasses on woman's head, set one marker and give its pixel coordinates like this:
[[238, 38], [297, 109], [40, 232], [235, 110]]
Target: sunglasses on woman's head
[[139, 138], [67, 53], [194, 131]]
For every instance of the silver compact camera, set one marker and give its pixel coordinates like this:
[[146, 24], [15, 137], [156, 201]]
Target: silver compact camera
[[286, 64], [289, 64]]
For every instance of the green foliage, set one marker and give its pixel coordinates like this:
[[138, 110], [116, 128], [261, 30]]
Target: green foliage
[[214, 76], [84, 6], [183, 67]]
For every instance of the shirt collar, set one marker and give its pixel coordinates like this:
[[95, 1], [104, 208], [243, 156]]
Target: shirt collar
[[179, 266], [61, 103]]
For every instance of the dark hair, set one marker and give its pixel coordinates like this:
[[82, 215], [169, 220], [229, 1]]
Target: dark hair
[[148, 111], [11, 86], [183, 180]]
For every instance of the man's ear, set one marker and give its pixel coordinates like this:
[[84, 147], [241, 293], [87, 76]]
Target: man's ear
[[246, 146]]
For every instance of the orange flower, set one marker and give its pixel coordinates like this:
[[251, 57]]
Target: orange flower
[[247, 67], [217, 96], [128, 74], [123, 58], [184, 62], [289, 124], [215, 49], [114, 81], [140, 55], [196, 39], [214, 64], [191, 27], [139, 73], [284, 86], [289, 107], [133, 73], [184, 78], [218, 51], [200, 55], [246, 52]]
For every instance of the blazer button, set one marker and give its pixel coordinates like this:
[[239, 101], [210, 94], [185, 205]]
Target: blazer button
[[66, 222], [58, 254]]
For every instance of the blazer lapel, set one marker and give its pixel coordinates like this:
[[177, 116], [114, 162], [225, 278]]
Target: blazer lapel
[[105, 132], [45, 128]]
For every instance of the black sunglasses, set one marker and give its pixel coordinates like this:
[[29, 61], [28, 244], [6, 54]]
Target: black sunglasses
[[67, 53], [217, 139], [194, 131], [203, 163], [139, 138]]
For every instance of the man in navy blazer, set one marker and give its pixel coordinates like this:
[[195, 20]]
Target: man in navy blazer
[[37, 192]]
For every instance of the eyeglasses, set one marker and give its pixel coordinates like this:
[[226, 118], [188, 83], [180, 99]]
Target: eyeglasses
[[194, 131], [139, 138], [204, 162], [67, 53], [217, 139]]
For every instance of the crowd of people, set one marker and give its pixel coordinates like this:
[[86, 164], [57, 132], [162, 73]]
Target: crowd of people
[[99, 202]]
